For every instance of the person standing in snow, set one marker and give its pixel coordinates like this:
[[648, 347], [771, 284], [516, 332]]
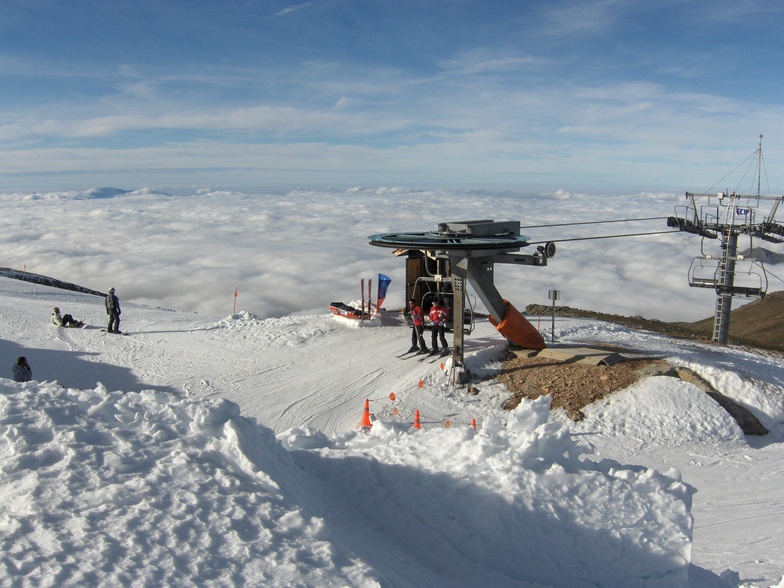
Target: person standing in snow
[[418, 327], [113, 310], [22, 370], [438, 321], [65, 320]]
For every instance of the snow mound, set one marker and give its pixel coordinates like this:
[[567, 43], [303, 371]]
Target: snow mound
[[124, 478], [675, 413], [549, 518]]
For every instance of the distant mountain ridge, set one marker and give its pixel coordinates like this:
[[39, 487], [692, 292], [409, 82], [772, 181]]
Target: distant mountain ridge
[[94, 194], [763, 255], [108, 192], [758, 324], [98, 193], [46, 281]]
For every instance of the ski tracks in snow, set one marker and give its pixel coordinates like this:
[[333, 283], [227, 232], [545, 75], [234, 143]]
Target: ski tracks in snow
[[306, 374]]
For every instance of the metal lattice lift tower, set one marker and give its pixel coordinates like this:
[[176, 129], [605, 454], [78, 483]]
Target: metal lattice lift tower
[[472, 248], [726, 216]]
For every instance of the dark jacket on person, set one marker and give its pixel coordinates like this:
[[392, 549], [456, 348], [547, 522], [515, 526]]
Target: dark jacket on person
[[22, 371], [112, 304]]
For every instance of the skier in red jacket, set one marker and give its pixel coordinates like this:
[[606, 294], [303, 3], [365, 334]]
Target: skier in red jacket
[[438, 321], [417, 327]]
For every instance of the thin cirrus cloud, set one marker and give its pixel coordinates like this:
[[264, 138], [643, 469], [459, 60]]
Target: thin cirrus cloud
[[600, 95]]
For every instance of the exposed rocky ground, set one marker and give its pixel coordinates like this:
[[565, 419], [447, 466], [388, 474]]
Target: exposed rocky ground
[[8, 272], [573, 386]]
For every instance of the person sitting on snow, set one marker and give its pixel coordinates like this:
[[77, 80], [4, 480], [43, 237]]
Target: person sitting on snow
[[22, 371], [65, 320]]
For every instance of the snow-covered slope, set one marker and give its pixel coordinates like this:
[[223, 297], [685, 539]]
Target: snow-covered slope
[[205, 451]]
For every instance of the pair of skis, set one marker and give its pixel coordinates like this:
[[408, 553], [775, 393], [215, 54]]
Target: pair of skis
[[427, 355], [433, 357], [410, 354], [369, 301]]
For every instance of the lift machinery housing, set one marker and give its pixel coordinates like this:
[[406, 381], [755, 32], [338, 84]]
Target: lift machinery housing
[[466, 252]]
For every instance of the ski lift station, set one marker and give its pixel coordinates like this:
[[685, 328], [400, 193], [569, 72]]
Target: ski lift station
[[440, 264]]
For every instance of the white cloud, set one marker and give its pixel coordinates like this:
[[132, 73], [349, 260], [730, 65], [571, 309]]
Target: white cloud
[[298, 251], [483, 62], [295, 8]]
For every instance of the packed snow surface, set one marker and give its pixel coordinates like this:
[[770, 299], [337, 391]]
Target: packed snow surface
[[197, 450]]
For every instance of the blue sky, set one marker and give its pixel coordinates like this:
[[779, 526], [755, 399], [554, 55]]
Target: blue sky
[[596, 96]]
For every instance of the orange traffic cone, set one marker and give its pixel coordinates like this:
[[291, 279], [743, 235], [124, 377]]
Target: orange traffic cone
[[417, 425], [366, 415]]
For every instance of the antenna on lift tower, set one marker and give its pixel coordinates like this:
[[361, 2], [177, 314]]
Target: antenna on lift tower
[[725, 216]]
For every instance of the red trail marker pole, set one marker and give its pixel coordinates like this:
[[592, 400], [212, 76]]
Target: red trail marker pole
[[235, 300]]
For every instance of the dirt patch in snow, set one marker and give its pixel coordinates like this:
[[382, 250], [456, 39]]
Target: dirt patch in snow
[[573, 385]]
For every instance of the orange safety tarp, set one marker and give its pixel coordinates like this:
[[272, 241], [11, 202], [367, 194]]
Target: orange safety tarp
[[515, 327]]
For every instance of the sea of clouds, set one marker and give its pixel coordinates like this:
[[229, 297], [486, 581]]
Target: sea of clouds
[[296, 251]]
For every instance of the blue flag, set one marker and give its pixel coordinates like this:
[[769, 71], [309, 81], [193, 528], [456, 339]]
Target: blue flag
[[383, 284]]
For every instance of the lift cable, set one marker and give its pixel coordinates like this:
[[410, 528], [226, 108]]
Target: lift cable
[[601, 237], [626, 220], [768, 272]]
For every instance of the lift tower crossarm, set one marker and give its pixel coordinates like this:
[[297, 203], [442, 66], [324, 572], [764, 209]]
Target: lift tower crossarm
[[725, 216]]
